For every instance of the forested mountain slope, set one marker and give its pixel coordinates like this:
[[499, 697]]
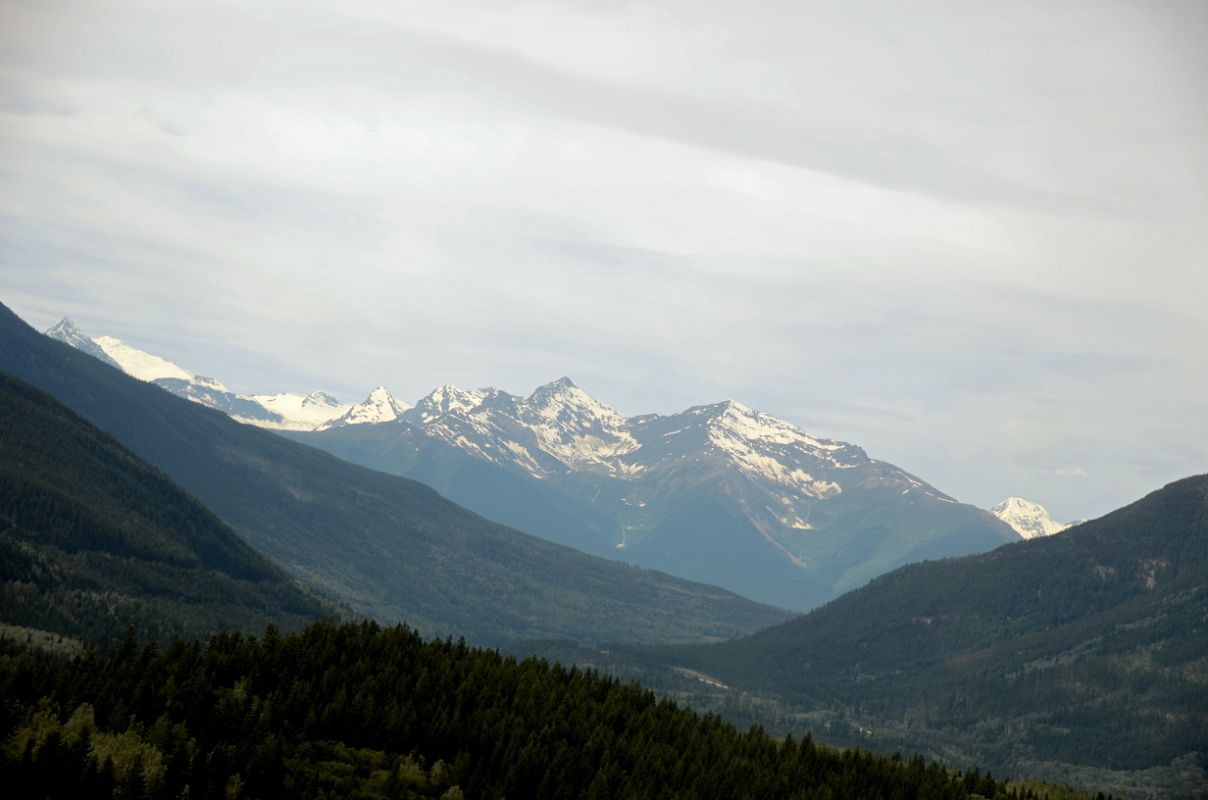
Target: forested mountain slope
[[355, 711], [1083, 650], [387, 546], [93, 539]]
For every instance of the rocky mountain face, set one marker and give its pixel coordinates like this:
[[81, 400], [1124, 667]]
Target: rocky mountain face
[[719, 493], [1028, 519]]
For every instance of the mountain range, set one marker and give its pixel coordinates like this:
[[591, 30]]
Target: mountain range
[[388, 547], [719, 493], [1078, 657]]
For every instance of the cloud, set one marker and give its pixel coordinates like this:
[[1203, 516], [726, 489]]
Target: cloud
[[970, 242]]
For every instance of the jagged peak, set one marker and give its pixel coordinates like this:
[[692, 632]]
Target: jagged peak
[[381, 397], [562, 389], [561, 383], [448, 398], [66, 325], [379, 406]]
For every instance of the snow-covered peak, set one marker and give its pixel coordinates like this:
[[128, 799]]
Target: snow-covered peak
[[575, 427], [68, 332], [772, 450], [731, 419], [1030, 520], [280, 411], [139, 364], [554, 399], [130, 360], [446, 399], [379, 406]]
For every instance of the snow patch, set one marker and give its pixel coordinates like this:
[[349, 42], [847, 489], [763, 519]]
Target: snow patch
[[139, 364]]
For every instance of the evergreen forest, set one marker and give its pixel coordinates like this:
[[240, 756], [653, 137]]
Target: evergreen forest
[[355, 710]]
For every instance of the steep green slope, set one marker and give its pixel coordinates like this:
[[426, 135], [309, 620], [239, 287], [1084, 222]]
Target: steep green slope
[[93, 539], [387, 546], [360, 712], [1088, 649]]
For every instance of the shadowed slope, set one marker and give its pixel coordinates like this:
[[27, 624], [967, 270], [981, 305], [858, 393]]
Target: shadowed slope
[[389, 547]]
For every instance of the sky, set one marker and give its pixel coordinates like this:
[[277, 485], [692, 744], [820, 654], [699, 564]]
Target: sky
[[969, 237]]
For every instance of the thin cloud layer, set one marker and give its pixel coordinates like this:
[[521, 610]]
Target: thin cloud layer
[[972, 242]]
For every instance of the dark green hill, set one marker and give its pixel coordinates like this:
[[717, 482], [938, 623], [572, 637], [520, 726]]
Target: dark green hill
[[387, 546], [358, 712], [1088, 649], [93, 539]]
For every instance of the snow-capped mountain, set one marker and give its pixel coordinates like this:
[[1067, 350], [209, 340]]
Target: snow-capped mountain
[[280, 411], [1030, 520], [559, 428], [137, 363], [379, 406], [130, 360], [69, 333], [719, 493]]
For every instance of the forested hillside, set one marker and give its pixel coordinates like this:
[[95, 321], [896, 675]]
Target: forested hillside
[[1082, 653], [93, 539], [357, 711]]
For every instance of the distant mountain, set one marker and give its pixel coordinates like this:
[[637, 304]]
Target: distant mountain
[[280, 411], [387, 546], [380, 406], [93, 539], [1030, 520], [69, 333], [296, 411], [1083, 655], [719, 493]]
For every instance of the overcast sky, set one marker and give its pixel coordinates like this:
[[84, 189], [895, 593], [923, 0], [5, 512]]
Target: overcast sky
[[970, 237]]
